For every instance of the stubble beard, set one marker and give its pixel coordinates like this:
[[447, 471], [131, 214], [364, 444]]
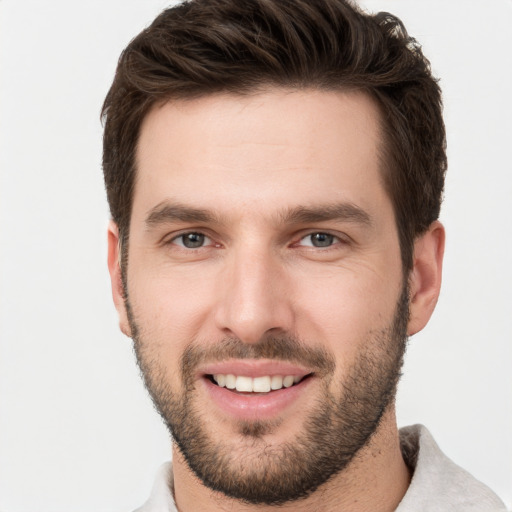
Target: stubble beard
[[256, 471]]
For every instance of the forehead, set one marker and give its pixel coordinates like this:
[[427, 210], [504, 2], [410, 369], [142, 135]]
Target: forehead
[[260, 152]]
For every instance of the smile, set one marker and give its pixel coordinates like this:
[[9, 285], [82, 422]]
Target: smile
[[263, 384], [256, 390]]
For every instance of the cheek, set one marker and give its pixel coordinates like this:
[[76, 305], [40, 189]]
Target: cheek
[[167, 320], [344, 310], [169, 306]]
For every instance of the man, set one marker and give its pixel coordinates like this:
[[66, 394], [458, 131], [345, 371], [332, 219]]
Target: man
[[274, 170]]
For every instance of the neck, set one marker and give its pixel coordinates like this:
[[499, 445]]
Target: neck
[[376, 479]]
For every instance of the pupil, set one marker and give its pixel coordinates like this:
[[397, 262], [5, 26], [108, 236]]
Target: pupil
[[322, 239], [193, 240]]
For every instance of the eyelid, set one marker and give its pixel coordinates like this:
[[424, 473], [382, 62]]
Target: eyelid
[[338, 238], [207, 241], [170, 239]]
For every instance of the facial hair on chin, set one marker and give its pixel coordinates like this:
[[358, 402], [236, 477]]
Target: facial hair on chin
[[334, 432]]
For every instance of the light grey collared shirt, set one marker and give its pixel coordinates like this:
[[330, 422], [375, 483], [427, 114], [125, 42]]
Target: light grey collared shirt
[[437, 485]]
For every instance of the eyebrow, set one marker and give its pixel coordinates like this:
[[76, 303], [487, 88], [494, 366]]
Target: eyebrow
[[347, 212], [176, 212]]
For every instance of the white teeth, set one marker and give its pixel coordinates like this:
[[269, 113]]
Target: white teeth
[[230, 381], [277, 382], [288, 381], [244, 384], [220, 380], [258, 384], [261, 384]]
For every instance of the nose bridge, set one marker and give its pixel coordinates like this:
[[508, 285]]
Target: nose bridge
[[253, 302]]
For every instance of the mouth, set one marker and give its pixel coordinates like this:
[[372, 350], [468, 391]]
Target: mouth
[[261, 385], [256, 390]]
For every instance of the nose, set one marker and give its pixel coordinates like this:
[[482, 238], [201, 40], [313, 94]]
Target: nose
[[254, 298]]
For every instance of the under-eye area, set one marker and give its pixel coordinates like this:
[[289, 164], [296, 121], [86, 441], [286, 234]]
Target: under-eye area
[[263, 384]]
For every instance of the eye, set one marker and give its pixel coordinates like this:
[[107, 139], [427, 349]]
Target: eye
[[192, 240], [318, 240]]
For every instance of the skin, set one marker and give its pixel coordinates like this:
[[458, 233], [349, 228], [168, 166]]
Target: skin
[[251, 160]]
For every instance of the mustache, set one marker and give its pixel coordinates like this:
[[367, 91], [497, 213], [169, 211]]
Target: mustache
[[281, 348]]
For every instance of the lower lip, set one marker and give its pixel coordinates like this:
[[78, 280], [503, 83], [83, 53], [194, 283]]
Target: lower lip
[[255, 406]]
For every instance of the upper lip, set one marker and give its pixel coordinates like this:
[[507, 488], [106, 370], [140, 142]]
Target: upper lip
[[254, 368]]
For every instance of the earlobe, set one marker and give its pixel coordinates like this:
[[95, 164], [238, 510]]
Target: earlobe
[[114, 268], [425, 277]]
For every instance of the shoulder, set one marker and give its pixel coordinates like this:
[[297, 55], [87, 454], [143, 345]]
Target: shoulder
[[438, 484], [161, 498]]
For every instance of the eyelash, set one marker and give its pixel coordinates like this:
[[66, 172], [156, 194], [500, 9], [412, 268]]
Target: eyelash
[[334, 240], [181, 236]]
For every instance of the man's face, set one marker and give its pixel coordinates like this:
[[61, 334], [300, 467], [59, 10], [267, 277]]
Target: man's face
[[263, 251]]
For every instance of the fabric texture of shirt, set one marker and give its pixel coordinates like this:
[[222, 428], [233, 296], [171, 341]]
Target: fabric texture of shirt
[[437, 485]]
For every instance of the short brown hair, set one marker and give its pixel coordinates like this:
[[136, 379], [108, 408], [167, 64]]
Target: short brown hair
[[202, 47]]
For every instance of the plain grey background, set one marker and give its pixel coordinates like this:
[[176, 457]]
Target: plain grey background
[[77, 430]]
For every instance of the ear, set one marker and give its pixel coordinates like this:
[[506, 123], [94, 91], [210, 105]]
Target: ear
[[425, 277], [114, 268]]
